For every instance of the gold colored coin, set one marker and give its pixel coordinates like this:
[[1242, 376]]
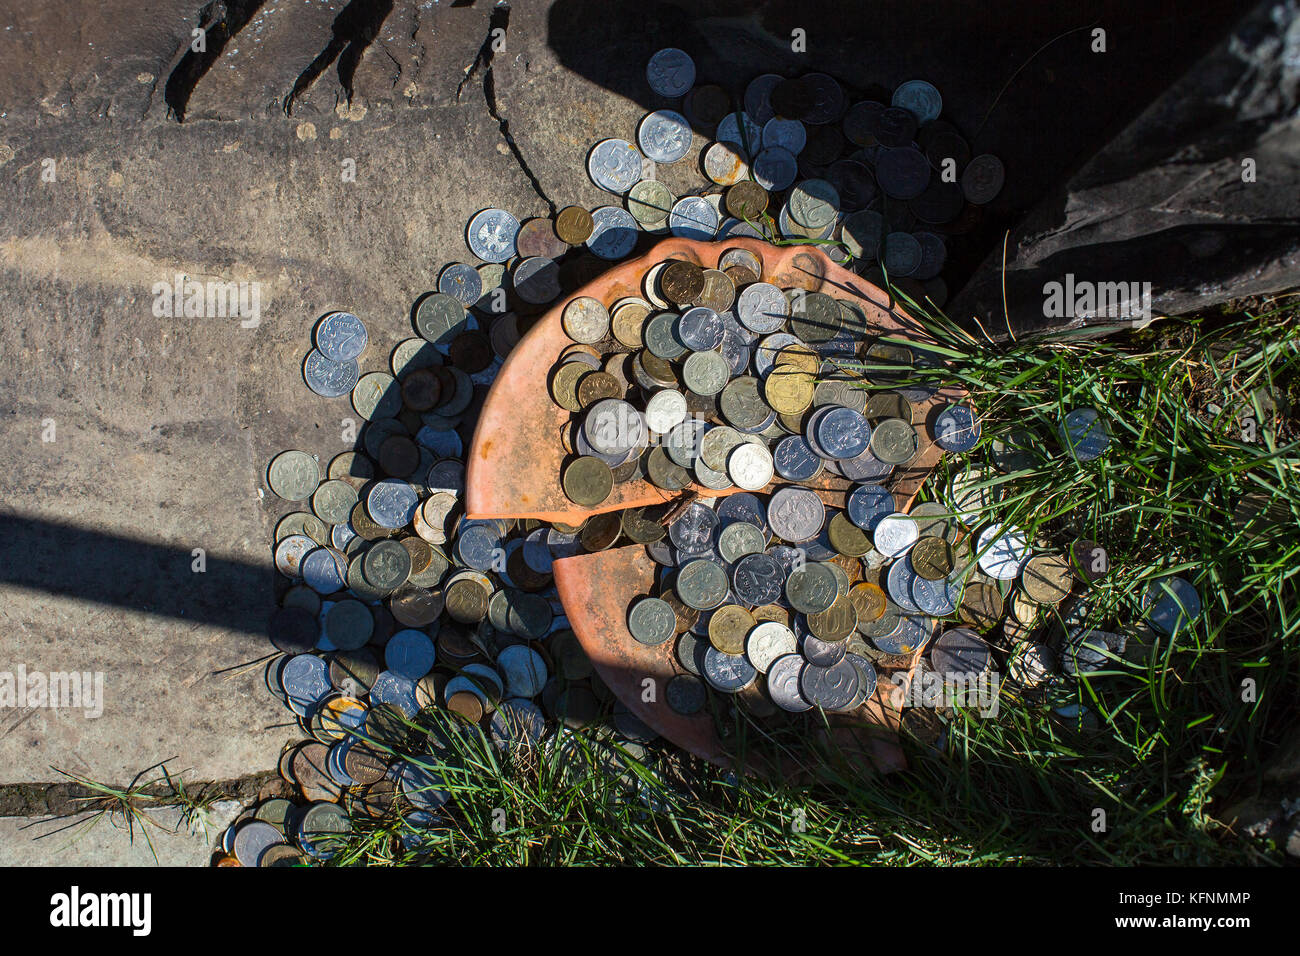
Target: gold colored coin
[[788, 389], [869, 602], [801, 357], [846, 537], [597, 386], [627, 323], [588, 481], [1046, 578], [574, 225], [981, 606], [836, 622], [729, 627], [564, 385], [932, 558], [772, 612]]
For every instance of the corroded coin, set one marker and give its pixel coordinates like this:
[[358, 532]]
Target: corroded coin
[[588, 481], [467, 601], [811, 589], [846, 537], [746, 200], [386, 565]]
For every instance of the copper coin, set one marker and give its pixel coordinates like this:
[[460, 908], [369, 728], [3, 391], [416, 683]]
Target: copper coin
[[601, 531], [420, 390], [399, 456], [574, 225], [466, 705], [537, 237], [597, 386]]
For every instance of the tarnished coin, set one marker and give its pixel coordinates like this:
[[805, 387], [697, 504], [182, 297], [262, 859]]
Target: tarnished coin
[[293, 475], [377, 395], [980, 606], [775, 168], [725, 164], [1046, 578], [831, 688], [932, 558], [959, 654], [982, 179], [588, 481], [467, 601], [686, 694], [651, 621], [705, 373], [847, 538], [650, 202], [701, 584], [811, 589], [894, 441], [386, 565], [333, 501], [670, 72], [729, 625], [585, 320]]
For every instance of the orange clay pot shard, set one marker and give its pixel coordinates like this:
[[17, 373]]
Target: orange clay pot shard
[[514, 468], [516, 457]]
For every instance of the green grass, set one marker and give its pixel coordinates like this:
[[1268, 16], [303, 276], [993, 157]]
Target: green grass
[[1168, 730]]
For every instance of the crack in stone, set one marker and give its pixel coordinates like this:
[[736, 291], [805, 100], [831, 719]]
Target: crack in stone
[[65, 799], [500, 20]]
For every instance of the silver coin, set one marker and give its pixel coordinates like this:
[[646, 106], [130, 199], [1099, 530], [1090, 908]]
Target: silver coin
[[729, 673], [902, 254], [767, 641], [763, 308], [614, 427], [823, 653], [391, 503], [340, 336], [706, 372], [289, 552], [741, 129], [758, 579], [252, 839], [665, 410], [894, 534], [293, 475], [524, 670], [795, 514], [787, 134], [686, 694], [739, 539], [1084, 434], [670, 72], [899, 580], [919, 98], [461, 282], [409, 653], [750, 466], [959, 653], [651, 620], [1171, 604], [1002, 551], [517, 722], [377, 395], [694, 530], [614, 165], [327, 378], [333, 501], [693, 217], [585, 320], [758, 96], [614, 233], [700, 329], [724, 164], [775, 168], [491, 235], [831, 688], [814, 203], [783, 683], [664, 136]]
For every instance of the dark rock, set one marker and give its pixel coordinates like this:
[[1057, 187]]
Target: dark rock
[[1165, 201]]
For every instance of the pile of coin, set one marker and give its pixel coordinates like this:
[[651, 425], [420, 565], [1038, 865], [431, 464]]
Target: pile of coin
[[396, 603]]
